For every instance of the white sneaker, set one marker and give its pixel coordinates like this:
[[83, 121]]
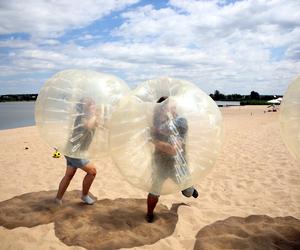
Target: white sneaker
[[58, 201], [87, 200]]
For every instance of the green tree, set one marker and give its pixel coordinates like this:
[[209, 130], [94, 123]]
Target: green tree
[[254, 95]]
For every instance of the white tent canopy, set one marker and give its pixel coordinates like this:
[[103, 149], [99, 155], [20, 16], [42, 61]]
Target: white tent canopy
[[274, 101]]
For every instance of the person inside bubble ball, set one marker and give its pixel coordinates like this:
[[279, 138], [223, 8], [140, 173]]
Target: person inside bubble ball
[[168, 135], [80, 139]]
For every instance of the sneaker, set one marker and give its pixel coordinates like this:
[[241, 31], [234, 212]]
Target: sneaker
[[87, 200], [195, 193], [188, 192], [149, 218], [58, 201]]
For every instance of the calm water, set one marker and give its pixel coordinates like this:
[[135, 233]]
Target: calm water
[[227, 103], [16, 114], [21, 114]]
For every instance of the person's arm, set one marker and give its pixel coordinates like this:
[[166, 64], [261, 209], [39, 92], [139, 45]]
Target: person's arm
[[90, 123], [165, 147]]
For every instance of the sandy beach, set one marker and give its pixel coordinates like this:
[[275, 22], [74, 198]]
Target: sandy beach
[[250, 200]]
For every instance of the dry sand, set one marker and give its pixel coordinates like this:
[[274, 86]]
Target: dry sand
[[255, 180]]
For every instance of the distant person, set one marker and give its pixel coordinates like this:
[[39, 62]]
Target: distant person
[[80, 140], [168, 135]]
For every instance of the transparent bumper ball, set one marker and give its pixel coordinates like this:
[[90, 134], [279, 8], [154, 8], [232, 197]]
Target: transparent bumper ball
[[73, 109], [165, 135], [290, 118]]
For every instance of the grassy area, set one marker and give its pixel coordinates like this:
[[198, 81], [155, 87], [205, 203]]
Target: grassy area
[[254, 102]]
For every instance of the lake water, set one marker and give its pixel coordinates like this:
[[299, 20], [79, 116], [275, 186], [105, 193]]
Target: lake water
[[228, 103], [16, 114], [21, 114]]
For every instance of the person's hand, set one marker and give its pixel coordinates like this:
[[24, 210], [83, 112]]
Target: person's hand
[[170, 149], [91, 123], [165, 147]]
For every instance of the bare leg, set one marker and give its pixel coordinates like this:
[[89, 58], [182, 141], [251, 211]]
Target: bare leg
[[64, 183], [91, 172], [151, 204]]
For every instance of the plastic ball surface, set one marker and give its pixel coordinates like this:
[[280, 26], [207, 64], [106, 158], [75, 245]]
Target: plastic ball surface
[[73, 109], [165, 135], [290, 118]]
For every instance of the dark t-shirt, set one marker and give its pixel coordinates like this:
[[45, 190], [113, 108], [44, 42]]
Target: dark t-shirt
[[81, 136], [168, 131]]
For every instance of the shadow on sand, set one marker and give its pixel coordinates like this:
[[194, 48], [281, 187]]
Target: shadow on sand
[[108, 224], [253, 232]]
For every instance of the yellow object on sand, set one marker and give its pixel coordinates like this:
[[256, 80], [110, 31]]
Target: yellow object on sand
[[56, 154]]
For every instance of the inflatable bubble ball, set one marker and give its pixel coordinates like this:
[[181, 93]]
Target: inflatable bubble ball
[[165, 135], [73, 109], [290, 118]]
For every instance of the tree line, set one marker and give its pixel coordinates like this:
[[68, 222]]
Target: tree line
[[254, 98], [18, 97]]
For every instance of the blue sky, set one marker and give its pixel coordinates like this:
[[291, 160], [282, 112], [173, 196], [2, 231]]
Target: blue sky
[[232, 46]]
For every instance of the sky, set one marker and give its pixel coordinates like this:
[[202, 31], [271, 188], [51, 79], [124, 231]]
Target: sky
[[230, 46]]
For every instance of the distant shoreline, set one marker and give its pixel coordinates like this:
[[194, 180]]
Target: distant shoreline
[[18, 98], [17, 101]]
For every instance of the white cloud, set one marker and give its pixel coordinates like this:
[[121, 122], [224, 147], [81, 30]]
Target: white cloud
[[237, 42], [52, 18], [15, 44], [231, 48], [197, 22]]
